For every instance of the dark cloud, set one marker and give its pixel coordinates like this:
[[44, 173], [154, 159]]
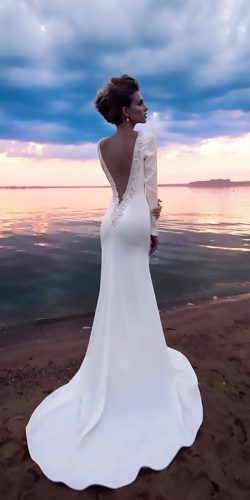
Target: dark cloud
[[191, 59]]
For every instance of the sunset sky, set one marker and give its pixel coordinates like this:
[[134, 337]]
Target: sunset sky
[[192, 61]]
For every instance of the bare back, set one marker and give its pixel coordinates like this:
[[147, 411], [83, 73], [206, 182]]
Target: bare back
[[117, 154]]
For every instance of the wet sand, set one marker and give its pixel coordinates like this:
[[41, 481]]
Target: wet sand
[[214, 335]]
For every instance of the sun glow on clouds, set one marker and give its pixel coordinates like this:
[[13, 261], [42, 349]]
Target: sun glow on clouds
[[54, 164], [35, 148], [220, 157]]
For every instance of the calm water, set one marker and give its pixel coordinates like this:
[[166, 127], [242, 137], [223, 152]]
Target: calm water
[[50, 251]]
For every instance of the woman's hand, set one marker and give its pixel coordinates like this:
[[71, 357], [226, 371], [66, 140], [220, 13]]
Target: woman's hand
[[156, 211], [154, 243]]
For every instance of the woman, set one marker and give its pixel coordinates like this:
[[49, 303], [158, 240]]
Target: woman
[[111, 101], [134, 401]]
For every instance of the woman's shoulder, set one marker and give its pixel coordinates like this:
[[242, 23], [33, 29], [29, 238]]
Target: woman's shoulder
[[112, 139], [148, 136], [102, 140], [149, 140], [147, 133]]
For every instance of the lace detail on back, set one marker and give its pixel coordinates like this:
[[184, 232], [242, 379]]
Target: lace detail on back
[[120, 205]]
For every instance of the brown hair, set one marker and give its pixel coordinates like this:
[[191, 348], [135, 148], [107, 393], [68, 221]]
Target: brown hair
[[115, 94]]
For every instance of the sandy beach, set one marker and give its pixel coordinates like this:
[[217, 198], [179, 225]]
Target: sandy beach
[[214, 335]]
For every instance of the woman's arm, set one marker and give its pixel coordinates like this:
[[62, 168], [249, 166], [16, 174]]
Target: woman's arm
[[150, 176]]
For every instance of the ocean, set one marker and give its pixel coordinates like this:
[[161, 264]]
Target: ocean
[[50, 252]]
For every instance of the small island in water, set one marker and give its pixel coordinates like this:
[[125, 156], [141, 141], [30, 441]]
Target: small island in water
[[212, 183], [218, 183]]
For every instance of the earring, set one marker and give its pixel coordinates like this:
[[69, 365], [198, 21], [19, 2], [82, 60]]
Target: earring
[[127, 119]]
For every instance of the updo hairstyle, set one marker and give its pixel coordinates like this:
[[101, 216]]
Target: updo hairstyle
[[115, 94]]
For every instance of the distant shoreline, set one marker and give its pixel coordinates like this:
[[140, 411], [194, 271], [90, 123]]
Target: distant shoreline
[[197, 184]]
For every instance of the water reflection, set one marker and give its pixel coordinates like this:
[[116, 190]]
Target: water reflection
[[239, 249], [46, 210], [51, 255]]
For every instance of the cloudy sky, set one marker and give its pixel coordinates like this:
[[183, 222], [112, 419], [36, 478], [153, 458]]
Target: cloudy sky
[[192, 61]]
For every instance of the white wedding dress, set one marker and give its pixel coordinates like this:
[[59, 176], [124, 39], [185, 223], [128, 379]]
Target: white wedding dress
[[134, 401]]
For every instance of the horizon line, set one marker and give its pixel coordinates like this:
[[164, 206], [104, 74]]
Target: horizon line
[[175, 184]]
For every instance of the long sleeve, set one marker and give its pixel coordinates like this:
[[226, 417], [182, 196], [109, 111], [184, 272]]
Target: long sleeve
[[150, 176]]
